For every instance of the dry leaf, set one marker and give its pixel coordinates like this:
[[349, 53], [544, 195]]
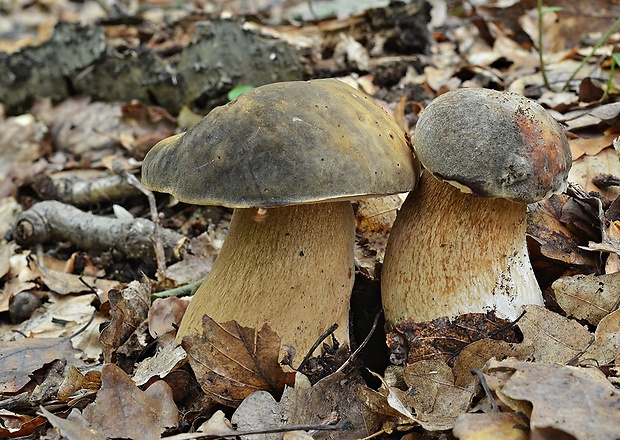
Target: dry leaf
[[73, 427], [577, 401], [606, 346], [588, 297], [128, 309], [122, 410], [168, 359], [444, 338], [334, 399], [587, 167], [19, 359], [553, 338], [231, 362], [437, 401], [164, 317], [491, 426]]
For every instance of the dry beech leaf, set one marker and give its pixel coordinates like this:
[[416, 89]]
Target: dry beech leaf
[[577, 401], [122, 410], [374, 218], [553, 338], [606, 345], [14, 425], [164, 316], [437, 401], [555, 239], [587, 167], [166, 360], [588, 297], [444, 338], [231, 362], [74, 427], [590, 146], [332, 399], [19, 359], [491, 426], [475, 356], [128, 309]]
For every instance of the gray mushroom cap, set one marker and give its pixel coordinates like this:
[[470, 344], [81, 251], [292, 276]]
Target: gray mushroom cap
[[494, 144], [283, 144]]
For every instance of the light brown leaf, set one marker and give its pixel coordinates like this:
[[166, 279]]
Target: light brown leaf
[[231, 362], [589, 297], [490, 426], [437, 401], [553, 338], [19, 359], [128, 309], [164, 317], [587, 167], [122, 410], [606, 346], [74, 427], [577, 401]]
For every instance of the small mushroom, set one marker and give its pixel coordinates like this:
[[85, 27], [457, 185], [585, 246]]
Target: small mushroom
[[289, 157], [461, 248]]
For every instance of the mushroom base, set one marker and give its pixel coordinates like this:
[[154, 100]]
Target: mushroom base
[[292, 269], [450, 253]]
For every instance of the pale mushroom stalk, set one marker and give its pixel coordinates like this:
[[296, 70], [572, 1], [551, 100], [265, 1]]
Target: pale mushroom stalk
[[458, 244], [471, 245], [304, 251]]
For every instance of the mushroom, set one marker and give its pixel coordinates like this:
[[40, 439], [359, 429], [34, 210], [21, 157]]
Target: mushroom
[[458, 244], [289, 158]]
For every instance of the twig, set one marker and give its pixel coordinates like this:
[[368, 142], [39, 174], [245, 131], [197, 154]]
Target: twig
[[158, 243], [52, 220], [197, 435], [325, 334], [485, 387], [362, 345]]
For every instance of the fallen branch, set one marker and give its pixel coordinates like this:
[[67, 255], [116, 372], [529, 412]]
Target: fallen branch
[[52, 220]]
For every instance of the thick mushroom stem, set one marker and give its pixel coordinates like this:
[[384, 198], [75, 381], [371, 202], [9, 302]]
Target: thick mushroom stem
[[293, 270], [450, 253]]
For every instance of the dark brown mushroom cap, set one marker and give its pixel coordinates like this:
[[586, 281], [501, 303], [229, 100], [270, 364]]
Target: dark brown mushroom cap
[[496, 144], [283, 144]]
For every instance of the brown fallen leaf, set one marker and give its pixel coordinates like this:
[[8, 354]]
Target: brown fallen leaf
[[74, 427], [122, 410], [551, 337], [588, 297], [333, 400], [444, 338], [231, 362], [437, 401], [128, 309], [13, 425], [606, 346], [491, 426], [19, 359], [164, 317], [572, 400]]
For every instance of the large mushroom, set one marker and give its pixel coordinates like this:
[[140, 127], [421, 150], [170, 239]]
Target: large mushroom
[[296, 154], [458, 244]]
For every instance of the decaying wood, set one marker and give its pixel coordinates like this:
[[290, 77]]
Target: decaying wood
[[52, 220]]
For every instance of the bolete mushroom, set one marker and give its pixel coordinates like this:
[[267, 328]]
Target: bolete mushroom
[[458, 244], [300, 152]]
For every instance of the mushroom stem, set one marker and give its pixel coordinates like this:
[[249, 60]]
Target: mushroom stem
[[293, 270], [456, 254]]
